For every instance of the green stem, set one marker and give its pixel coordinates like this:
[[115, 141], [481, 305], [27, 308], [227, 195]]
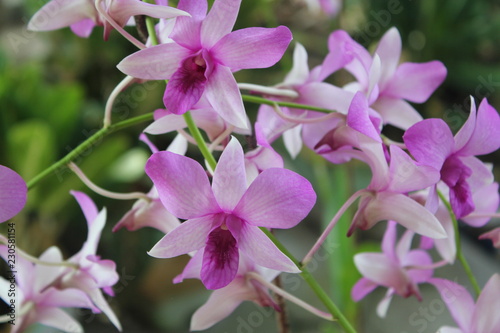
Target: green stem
[[261, 100], [311, 281], [195, 132], [88, 143], [460, 255]]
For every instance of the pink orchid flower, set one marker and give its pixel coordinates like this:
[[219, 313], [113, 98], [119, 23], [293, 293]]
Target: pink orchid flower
[[479, 317], [204, 55], [93, 273], [431, 142], [37, 300], [82, 16], [387, 84], [13, 193], [222, 302], [224, 219], [385, 198], [396, 268], [301, 86]]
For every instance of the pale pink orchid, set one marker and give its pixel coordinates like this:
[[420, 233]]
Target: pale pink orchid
[[13, 193], [385, 198], [222, 302], [472, 317], [494, 236], [93, 273], [387, 84], [300, 86], [397, 268], [204, 55], [224, 219], [82, 15], [37, 300], [431, 142]]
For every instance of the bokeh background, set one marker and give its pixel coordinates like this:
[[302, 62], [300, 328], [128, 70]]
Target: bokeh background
[[53, 88]]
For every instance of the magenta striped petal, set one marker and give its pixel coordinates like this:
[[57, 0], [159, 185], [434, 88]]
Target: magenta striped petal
[[219, 21]]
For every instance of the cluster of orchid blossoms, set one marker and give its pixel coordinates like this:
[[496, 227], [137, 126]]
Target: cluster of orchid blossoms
[[221, 213]]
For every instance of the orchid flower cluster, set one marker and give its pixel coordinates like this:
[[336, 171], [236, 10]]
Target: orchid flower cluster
[[222, 212]]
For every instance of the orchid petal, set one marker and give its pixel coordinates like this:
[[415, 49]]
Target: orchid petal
[[122, 10], [446, 247], [384, 303], [219, 21], [277, 198], [256, 245], [93, 236], [62, 13], [223, 94], [325, 95], [358, 118], [458, 300], [380, 269], [486, 201], [158, 62], [362, 288], [188, 236], [389, 51], [13, 193], [182, 185], [292, 139], [430, 141], [343, 51], [486, 136], [45, 274], [300, 70], [405, 211], [87, 205], [406, 176], [192, 269], [464, 134], [221, 304], [415, 82], [220, 259], [166, 124], [389, 240], [83, 28], [396, 112], [229, 181], [186, 31], [485, 319], [418, 258], [493, 235], [249, 48], [70, 297], [57, 318]]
